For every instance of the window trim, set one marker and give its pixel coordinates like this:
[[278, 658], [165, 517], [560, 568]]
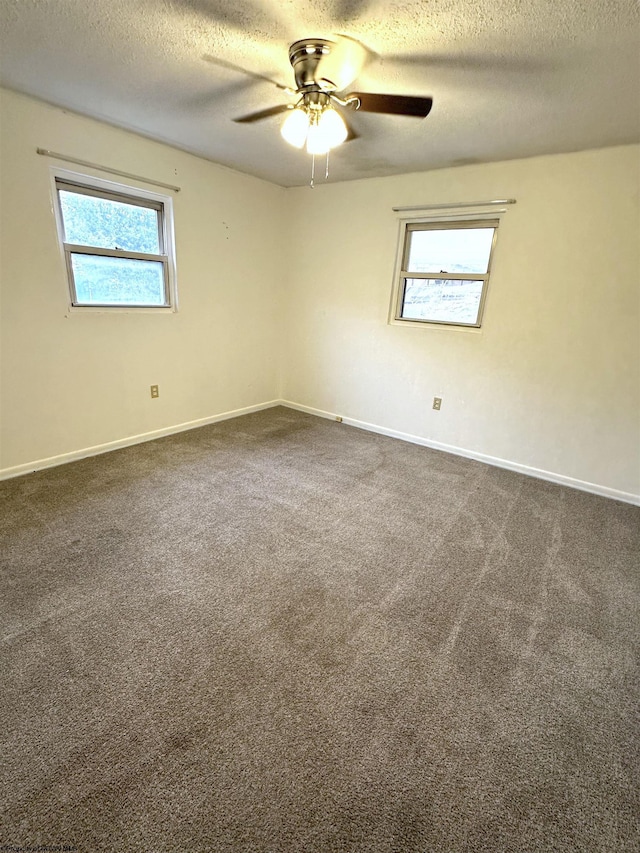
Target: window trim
[[129, 194], [401, 274]]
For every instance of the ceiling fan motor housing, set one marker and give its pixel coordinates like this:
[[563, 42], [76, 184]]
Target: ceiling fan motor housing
[[322, 68], [304, 56]]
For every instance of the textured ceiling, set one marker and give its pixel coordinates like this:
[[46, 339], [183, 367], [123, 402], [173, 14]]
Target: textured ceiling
[[509, 78]]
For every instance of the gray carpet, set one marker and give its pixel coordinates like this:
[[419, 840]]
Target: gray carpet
[[280, 633]]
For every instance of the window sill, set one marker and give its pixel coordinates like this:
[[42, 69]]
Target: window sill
[[119, 309], [428, 324]]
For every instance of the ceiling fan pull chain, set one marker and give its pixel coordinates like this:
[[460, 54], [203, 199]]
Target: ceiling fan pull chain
[[326, 171], [313, 171]]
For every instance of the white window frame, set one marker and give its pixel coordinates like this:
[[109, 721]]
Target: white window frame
[[91, 185], [401, 273]]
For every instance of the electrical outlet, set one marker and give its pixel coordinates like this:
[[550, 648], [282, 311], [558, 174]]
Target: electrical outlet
[[437, 403], [155, 391]]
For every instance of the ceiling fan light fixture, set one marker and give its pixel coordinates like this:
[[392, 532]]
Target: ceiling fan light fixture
[[332, 127], [317, 142], [326, 131], [296, 127], [321, 129]]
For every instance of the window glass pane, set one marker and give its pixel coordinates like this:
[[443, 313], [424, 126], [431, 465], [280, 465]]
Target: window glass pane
[[101, 280], [441, 300], [450, 250], [108, 224]]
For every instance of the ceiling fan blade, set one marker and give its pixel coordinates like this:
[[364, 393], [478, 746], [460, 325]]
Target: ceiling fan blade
[[240, 70], [476, 62], [233, 16], [352, 10], [270, 111], [402, 105], [342, 65], [351, 133]]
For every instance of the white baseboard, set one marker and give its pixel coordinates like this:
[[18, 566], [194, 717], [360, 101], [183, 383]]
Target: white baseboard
[[550, 476], [63, 458], [320, 414]]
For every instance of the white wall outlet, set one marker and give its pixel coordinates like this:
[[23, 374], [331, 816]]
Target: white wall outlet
[[155, 391], [437, 403]]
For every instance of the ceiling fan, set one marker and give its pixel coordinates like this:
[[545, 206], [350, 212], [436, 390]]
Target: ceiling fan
[[323, 70]]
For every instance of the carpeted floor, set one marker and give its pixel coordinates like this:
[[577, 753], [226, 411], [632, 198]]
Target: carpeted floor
[[280, 633]]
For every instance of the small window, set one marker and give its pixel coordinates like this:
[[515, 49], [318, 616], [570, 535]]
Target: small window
[[117, 243], [444, 271]]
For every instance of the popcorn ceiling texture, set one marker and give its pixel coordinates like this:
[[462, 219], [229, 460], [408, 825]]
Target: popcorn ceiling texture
[[509, 79]]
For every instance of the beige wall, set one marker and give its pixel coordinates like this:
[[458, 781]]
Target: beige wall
[[550, 382], [71, 382], [285, 294]]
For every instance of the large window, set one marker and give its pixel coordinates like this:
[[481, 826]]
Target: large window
[[117, 243], [444, 271]]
